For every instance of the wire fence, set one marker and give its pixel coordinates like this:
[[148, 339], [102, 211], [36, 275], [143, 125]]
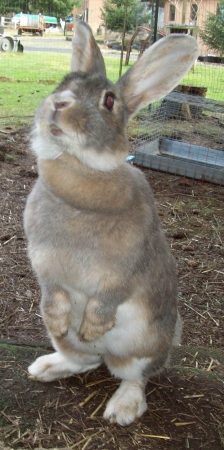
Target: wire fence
[[31, 65], [183, 133]]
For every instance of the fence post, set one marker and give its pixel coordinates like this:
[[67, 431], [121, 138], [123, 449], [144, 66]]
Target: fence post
[[156, 21], [123, 37]]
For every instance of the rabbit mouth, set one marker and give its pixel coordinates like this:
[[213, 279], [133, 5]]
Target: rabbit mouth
[[55, 130]]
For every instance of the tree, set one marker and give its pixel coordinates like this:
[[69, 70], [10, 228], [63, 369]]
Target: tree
[[9, 7], [57, 8], [212, 34], [113, 13]]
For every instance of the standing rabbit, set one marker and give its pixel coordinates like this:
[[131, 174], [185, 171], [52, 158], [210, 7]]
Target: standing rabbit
[[95, 241]]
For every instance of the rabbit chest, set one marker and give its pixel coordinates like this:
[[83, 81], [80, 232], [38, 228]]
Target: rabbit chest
[[77, 247]]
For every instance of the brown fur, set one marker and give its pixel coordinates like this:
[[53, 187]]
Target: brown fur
[[82, 187], [106, 272]]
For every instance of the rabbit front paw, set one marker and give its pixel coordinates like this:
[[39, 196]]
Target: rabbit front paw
[[57, 326], [94, 325], [91, 331], [57, 313]]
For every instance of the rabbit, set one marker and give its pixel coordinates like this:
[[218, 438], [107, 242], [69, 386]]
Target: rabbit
[[95, 242]]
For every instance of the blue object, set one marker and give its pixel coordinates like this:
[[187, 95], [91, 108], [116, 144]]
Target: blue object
[[130, 158]]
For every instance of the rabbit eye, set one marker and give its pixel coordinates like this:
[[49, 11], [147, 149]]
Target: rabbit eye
[[109, 101]]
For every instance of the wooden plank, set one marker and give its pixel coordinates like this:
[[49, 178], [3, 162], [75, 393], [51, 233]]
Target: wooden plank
[[196, 100]]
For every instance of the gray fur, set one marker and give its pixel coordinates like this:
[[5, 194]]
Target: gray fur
[[94, 236]]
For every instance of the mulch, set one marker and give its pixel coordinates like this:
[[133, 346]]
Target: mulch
[[185, 407]]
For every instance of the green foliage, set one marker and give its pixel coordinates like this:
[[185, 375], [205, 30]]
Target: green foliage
[[57, 8], [113, 13], [212, 34], [9, 7]]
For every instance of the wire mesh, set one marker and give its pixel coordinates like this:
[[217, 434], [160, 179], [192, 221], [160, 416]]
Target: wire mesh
[[185, 129], [29, 76], [184, 133]]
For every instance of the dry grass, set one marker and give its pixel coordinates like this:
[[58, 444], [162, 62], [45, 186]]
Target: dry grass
[[185, 403]]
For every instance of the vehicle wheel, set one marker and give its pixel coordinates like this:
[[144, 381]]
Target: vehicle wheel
[[19, 32], [41, 33], [6, 45]]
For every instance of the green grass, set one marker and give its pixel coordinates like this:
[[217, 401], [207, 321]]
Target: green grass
[[19, 100], [25, 79], [112, 66], [45, 66], [34, 66], [211, 77]]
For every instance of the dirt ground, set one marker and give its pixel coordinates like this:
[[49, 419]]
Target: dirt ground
[[186, 402]]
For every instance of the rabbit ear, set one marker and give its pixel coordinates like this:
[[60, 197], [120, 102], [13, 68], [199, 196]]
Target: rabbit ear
[[86, 55], [158, 71]]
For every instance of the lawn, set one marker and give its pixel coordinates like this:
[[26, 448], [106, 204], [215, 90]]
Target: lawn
[[25, 79], [210, 76], [40, 66]]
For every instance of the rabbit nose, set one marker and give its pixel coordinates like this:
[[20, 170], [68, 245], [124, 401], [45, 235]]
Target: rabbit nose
[[62, 100], [61, 105]]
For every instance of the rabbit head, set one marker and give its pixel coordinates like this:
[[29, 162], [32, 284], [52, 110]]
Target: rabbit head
[[86, 115]]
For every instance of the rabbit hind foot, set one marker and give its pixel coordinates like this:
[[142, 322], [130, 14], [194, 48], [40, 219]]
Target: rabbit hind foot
[[57, 366], [127, 404]]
